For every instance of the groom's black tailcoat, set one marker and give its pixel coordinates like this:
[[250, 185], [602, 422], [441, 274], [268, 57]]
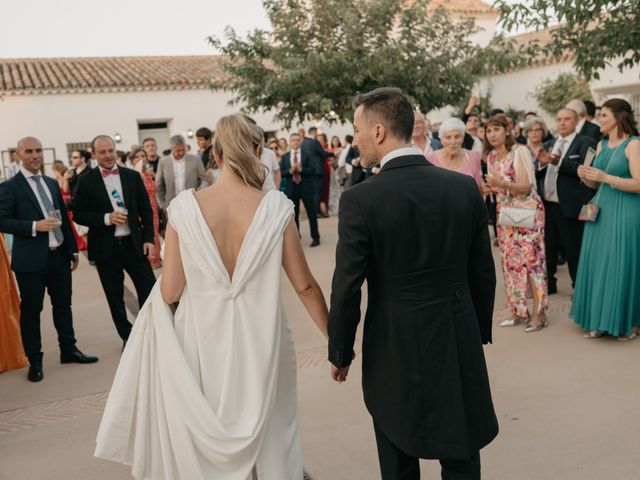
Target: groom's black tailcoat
[[418, 235]]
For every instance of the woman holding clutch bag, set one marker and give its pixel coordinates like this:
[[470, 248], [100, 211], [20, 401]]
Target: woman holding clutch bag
[[520, 225], [607, 294]]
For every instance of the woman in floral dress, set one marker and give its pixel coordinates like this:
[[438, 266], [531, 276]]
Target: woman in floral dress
[[138, 159], [511, 177]]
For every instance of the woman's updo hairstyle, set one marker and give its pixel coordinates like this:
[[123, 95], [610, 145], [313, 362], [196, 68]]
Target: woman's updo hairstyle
[[238, 142]]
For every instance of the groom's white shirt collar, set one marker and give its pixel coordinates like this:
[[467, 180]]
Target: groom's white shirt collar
[[400, 152]]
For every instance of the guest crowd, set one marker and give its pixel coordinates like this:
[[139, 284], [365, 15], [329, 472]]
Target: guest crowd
[[572, 198]]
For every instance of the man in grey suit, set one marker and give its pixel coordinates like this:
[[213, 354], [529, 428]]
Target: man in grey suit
[[178, 171]]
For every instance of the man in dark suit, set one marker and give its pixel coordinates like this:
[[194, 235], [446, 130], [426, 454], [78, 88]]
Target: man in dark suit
[[584, 127], [113, 203], [297, 167], [563, 193], [317, 156], [43, 257], [418, 235], [359, 174]]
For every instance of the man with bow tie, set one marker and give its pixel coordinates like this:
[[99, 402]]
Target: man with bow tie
[[113, 203], [43, 257]]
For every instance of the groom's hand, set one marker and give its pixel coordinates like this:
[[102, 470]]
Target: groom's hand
[[339, 374]]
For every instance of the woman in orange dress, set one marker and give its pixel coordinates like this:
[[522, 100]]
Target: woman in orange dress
[[138, 159], [11, 352]]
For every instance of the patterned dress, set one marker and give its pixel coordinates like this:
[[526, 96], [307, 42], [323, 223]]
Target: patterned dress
[[152, 190], [522, 249]]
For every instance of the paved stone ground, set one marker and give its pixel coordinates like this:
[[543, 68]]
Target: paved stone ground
[[568, 407]]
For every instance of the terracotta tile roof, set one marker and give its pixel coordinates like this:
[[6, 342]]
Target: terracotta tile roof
[[463, 6], [543, 37], [107, 74]]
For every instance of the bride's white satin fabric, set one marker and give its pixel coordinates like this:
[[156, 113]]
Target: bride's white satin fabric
[[210, 392]]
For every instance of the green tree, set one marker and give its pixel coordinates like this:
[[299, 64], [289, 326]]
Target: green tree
[[598, 32], [319, 53], [553, 95]]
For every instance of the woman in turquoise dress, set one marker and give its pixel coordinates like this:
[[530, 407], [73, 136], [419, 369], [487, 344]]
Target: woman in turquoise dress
[[607, 294]]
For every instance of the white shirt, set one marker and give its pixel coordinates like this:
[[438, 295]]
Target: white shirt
[[269, 160], [113, 184], [551, 177], [580, 124], [179, 169], [477, 145], [427, 148], [53, 243], [400, 152]]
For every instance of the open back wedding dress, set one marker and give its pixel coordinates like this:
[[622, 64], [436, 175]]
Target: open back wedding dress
[[209, 392]]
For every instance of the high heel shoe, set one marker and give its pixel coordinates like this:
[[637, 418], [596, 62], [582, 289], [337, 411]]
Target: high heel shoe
[[534, 327], [512, 322]]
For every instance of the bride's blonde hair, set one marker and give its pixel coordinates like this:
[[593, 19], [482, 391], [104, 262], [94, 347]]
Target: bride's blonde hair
[[236, 141]]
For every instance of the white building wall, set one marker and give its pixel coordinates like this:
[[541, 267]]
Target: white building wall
[[59, 119]]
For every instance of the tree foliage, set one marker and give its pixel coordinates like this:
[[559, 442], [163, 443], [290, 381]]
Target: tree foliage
[[598, 32], [553, 95], [320, 53]]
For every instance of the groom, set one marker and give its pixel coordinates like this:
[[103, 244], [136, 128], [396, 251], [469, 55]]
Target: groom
[[418, 235]]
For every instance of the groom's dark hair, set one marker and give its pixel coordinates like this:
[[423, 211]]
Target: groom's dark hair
[[390, 107]]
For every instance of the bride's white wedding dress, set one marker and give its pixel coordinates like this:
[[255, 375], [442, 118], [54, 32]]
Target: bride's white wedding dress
[[210, 391]]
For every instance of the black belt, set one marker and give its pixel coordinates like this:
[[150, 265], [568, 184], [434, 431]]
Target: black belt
[[121, 240]]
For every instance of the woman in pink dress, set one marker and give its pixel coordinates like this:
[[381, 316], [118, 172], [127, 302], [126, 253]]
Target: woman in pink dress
[[138, 159], [453, 157], [511, 177]]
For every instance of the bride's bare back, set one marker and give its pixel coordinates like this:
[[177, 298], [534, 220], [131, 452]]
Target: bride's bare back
[[228, 211]]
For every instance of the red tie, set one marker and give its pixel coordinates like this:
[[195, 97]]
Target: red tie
[[115, 171], [297, 178]]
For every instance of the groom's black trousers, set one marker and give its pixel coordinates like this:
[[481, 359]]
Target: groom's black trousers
[[397, 465]]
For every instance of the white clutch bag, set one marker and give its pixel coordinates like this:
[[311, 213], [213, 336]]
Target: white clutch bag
[[511, 216]]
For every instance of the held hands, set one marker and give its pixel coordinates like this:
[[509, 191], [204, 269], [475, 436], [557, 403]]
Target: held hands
[[116, 218], [149, 249], [340, 374], [47, 225], [591, 174]]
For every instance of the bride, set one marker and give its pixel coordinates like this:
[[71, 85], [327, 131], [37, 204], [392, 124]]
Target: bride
[[207, 390]]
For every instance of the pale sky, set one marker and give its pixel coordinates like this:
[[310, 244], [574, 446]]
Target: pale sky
[[80, 28]]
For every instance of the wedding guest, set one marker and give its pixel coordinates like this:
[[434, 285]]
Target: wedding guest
[[326, 183], [80, 160], [11, 350], [272, 143], [178, 171], [607, 294], [344, 167], [334, 180], [60, 173], [269, 159], [114, 204], [535, 129], [299, 171], [452, 156], [203, 138], [283, 146], [123, 160], [512, 179], [138, 159], [317, 157], [43, 257], [563, 194], [590, 112], [151, 149], [584, 126], [420, 137], [14, 165]]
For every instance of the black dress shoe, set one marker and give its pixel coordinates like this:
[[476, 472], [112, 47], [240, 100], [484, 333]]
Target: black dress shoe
[[552, 289], [35, 372], [315, 243], [76, 356]]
